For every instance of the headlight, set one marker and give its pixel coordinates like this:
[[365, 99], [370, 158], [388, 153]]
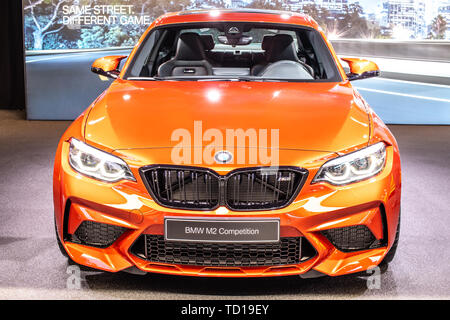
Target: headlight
[[356, 166], [97, 164]]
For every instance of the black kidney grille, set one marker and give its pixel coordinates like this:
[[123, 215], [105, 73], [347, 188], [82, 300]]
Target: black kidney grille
[[261, 189], [243, 189], [184, 188], [352, 238], [287, 251]]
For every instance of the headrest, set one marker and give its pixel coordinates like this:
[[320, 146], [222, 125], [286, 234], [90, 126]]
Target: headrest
[[208, 41], [281, 47], [267, 40], [190, 47]]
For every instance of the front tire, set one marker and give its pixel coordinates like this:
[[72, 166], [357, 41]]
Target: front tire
[[391, 254], [60, 245], [66, 255]]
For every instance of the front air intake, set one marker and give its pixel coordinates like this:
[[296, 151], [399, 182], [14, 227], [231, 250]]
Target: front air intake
[[354, 238], [288, 251], [97, 234]]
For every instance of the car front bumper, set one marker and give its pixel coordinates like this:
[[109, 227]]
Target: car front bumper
[[374, 203]]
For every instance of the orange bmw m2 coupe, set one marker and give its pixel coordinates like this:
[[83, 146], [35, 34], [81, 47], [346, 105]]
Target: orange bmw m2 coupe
[[231, 143]]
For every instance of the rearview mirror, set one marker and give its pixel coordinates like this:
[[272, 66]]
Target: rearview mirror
[[107, 66], [361, 69], [242, 41]]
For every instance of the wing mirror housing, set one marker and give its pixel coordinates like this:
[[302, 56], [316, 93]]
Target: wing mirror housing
[[361, 69], [107, 66]]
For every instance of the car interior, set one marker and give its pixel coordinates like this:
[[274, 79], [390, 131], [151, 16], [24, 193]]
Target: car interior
[[230, 50]]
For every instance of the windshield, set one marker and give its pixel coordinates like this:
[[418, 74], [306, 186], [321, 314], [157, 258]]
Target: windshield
[[234, 51]]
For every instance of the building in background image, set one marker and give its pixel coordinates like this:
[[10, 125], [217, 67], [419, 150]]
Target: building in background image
[[406, 18], [333, 6], [237, 3]]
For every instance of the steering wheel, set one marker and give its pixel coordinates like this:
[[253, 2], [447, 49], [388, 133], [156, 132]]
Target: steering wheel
[[287, 69]]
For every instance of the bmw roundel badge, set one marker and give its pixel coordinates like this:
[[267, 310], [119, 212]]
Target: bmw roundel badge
[[223, 156]]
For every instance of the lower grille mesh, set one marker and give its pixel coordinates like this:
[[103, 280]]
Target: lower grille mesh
[[156, 249], [352, 238], [97, 234]]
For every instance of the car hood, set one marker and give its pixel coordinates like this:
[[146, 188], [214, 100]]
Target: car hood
[[151, 114]]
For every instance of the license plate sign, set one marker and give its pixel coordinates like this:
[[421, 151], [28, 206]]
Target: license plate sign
[[222, 231]]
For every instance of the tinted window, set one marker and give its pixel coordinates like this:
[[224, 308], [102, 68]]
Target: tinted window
[[227, 50]]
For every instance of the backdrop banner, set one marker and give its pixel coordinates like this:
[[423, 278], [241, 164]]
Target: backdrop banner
[[63, 37]]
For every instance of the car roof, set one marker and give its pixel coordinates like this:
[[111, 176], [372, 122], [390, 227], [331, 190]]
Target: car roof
[[237, 15]]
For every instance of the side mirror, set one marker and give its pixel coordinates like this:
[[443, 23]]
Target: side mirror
[[107, 66], [361, 69]]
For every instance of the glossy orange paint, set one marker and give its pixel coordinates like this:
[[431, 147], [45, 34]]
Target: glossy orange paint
[[109, 63], [134, 120], [360, 66]]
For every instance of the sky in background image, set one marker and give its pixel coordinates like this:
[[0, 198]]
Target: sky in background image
[[369, 5]]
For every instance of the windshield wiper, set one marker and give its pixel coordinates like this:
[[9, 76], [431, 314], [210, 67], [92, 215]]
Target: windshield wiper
[[241, 78], [257, 79], [147, 78], [212, 78]]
